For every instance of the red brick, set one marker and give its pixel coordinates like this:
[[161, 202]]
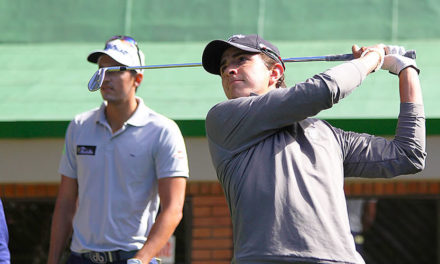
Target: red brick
[[52, 190], [211, 221], [347, 189], [192, 188], [367, 189], [212, 243], [356, 188], [220, 211], [8, 190], [434, 188], [205, 188], [20, 191], [423, 188], [40, 190], [201, 211], [216, 189], [209, 200], [201, 232], [401, 188], [222, 232], [389, 188], [379, 188], [225, 254], [412, 187], [201, 254], [30, 190]]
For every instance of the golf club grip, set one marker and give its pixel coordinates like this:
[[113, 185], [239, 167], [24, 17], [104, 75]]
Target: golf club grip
[[346, 57]]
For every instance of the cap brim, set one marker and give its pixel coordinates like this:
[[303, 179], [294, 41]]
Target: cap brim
[[213, 52], [94, 56]]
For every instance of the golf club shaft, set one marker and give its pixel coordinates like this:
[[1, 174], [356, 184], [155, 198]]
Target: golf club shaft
[[97, 79], [339, 57]]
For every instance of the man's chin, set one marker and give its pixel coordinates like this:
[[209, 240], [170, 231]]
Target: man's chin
[[238, 95], [236, 92], [107, 97]]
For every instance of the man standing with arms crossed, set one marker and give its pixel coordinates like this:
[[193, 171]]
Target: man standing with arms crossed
[[281, 170], [119, 161]]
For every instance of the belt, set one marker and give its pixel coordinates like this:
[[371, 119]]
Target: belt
[[106, 257]]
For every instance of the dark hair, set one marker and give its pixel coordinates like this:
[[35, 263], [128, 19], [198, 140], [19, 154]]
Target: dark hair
[[269, 62], [133, 73]]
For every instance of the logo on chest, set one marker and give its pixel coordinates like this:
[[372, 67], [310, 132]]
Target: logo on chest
[[85, 150]]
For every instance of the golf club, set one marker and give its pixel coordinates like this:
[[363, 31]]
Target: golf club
[[97, 78]]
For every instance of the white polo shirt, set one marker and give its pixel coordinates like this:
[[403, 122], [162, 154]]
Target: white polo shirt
[[117, 176]]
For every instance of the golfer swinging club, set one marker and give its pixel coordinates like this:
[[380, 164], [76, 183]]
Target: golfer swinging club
[[283, 171]]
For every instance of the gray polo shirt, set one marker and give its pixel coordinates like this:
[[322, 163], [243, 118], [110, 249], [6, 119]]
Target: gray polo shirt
[[283, 172], [117, 176]]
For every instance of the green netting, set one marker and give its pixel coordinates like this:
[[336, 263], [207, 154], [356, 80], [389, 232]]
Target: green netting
[[49, 81], [44, 43], [25, 21]]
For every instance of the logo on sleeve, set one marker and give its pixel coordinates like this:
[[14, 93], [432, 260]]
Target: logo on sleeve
[[179, 155], [85, 150]]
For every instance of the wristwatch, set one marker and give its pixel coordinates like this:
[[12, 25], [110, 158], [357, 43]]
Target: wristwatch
[[134, 261]]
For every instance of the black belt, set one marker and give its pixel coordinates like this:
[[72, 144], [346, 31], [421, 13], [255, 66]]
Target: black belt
[[106, 257]]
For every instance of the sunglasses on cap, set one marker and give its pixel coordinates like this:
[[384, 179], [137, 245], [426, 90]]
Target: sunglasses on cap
[[128, 40], [272, 54]]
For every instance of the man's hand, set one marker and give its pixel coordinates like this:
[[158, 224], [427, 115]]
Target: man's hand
[[391, 49], [373, 56], [388, 49], [396, 63], [134, 261], [362, 51]]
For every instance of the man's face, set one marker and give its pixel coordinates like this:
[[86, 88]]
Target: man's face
[[243, 73], [118, 86]]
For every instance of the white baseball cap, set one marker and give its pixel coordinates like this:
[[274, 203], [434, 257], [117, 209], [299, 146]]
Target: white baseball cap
[[122, 49]]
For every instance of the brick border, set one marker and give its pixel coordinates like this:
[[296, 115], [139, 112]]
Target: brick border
[[211, 237], [211, 224], [28, 190], [213, 189], [392, 188]]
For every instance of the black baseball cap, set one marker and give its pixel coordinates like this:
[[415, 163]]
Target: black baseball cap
[[253, 43]]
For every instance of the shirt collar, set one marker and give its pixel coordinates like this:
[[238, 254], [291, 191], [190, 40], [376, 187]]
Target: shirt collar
[[140, 116]]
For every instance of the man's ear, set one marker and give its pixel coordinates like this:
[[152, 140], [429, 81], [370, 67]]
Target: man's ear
[[138, 79], [276, 73]]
